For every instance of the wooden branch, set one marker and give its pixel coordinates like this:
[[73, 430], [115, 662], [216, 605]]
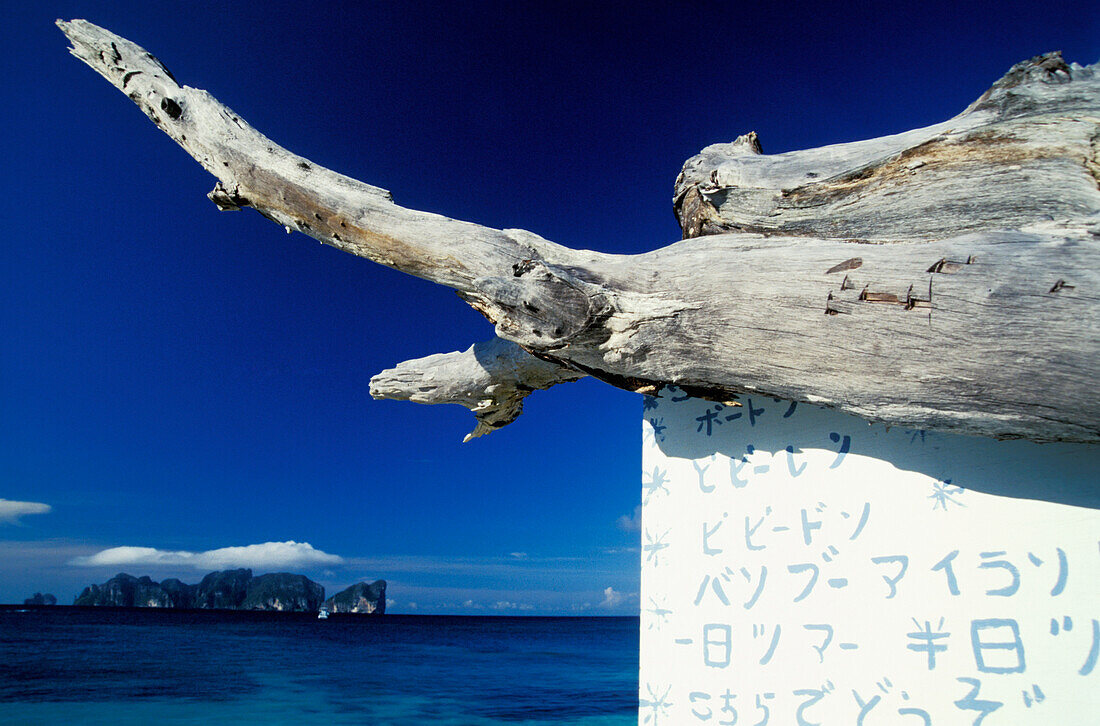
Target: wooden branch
[[1022, 153], [253, 171], [944, 278], [491, 379]]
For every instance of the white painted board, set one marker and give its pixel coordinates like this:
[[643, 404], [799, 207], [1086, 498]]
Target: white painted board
[[800, 566]]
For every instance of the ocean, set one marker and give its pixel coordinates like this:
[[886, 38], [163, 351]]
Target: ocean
[[65, 665]]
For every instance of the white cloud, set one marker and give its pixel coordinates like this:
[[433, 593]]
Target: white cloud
[[631, 522], [11, 511], [611, 598], [266, 556], [509, 605], [518, 555], [526, 598]]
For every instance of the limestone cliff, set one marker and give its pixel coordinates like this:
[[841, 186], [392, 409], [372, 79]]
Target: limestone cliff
[[225, 590], [283, 591], [360, 598], [124, 590]]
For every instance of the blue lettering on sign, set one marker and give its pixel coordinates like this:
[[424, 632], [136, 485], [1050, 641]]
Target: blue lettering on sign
[[1006, 634], [717, 645]]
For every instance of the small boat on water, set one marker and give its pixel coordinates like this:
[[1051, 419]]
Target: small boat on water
[[322, 614]]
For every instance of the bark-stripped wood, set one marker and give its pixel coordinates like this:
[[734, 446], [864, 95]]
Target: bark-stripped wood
[[490, 378], [945, 278]]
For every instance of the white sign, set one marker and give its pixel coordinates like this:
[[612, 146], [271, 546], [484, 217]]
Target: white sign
[[802, 567]]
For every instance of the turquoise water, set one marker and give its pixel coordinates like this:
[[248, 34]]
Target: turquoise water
[[105, 666]]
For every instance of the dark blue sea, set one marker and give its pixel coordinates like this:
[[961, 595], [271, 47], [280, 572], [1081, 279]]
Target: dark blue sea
[[66, 665]]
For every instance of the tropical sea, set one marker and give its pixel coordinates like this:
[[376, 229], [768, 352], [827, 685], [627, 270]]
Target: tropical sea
[[68, 665]]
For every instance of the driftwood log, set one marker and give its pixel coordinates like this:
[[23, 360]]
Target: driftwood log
[[945, 278]]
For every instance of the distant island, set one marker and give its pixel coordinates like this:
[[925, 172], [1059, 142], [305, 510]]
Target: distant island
[[360, 598], [40, 599], [235, 590]]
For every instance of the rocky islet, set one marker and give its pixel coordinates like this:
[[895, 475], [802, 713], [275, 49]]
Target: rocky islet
[[234, 590]]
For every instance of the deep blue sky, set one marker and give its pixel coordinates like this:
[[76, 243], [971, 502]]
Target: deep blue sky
[[177, 378]]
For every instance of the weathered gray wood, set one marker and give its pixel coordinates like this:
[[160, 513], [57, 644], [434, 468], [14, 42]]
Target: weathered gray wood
[[944, 278], [1023, 153], [490, 378]]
